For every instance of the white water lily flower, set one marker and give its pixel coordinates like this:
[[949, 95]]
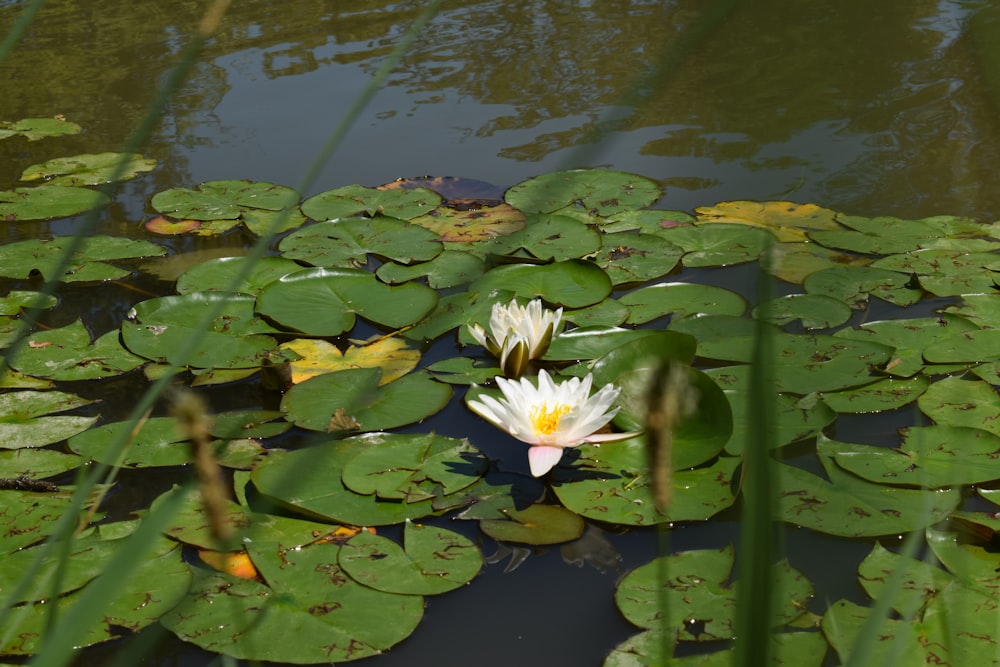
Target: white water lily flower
[[550, 416], [518, 334]]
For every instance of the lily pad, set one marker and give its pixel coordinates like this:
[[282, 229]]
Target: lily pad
[[29, 517], [681, 299], [356, 395], [463, 370], [537, 524], [69, 354], [605, 192], [645, 649], [547, 237], [929, 456], [222, 200], [89, 169], [347, 242], [47, 202], [352, 200], [594, 342], [316, 357], [814, 311], [311, 611], [886, 394], [877, 236], [718, 244], [854, 284], [20, 259], [414, 467], [957, 402], [160, 329], [786, 220], [36, 463], [793, 262], [628, 257], [909, 337], [449, 269], [849, 506], [323, 302], [471, 224], [573, 283], [435, 560], [15, 300], [216, 275], [34, 129], [26, 418]]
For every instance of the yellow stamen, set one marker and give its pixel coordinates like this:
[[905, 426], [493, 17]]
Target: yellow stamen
[[546, 421]]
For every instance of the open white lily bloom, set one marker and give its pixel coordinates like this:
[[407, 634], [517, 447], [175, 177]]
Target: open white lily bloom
[[518, 334], [550, 416]]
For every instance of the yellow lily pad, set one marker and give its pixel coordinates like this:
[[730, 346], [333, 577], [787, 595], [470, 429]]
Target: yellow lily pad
[[320, 356], [472, 222], [785, 219]]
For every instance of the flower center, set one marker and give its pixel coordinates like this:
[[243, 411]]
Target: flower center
[[545, 420]]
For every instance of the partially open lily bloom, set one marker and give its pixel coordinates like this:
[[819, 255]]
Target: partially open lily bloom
[[551, 416], [518, 334]]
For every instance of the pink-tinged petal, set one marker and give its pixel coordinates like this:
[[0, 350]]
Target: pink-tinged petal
[[543, 459]]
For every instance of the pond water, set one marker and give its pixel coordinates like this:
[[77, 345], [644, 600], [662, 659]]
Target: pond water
[[867, 108]]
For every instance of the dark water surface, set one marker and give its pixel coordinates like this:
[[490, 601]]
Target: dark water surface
[[873, 108]]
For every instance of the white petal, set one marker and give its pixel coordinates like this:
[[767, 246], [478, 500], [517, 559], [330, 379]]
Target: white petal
[[543, 459]]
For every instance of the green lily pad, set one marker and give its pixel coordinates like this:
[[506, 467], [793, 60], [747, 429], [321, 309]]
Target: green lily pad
[[34, 129], [15, 300], [718, 244], [910, 337], [323, 302], [161, 328], [876, 236], [156, 585], [945, 272], [964, 346], [611, 484], [414, 467], [216, 275], [352, 200], [311, 611], [681, 299], [26, 418], [29, 517], [36, 463], [89, 169], [68, 354], [573, 283], [973, 563], [645, 649], [347, 242], [957, 402], [460, 224], [849, 506], [432, 560], [48, 201], [697, 588], [646, 221], [222, 200], [449, 269], [158, 443], [261, 221], [814, 311], [929, 456], [981, 309], [606, 313], [886, 394], [594, 342], [463, 370], [854, 284], [793, 262], [535, 524], [239, 424], [457, 310], [605, 192], [356, 394], [547, 237], [18, 260], [309, 481], [804, 364]]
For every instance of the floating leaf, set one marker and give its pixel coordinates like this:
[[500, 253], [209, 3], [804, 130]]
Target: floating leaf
[[471, 224], [313, 403], [537, 524], [319, 356], [792, 262], [887, 394], [697, 602], [929, 456], [352, 200], [167, 227], [786, 220], [611, 484], [628, 257], [26, 418], [909, 337], [34, 129], [718, 244], [222, 200], [463, 370], [20, 259], [435, 560], [323, 302], [238, 424], [36, 463], [29, 517], [216, 275], [877, 236], [815, 311], [547, 237], [605, 192], [89, 169], [414, 467], [310, 611], [594, 342], [347, 242], [15, 300], [852, 507], [449, 269], [957, 402], [68, 354], [260, 221], [160, 329], [573, 283], [681, 299], [645, 649], [854, 284]]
